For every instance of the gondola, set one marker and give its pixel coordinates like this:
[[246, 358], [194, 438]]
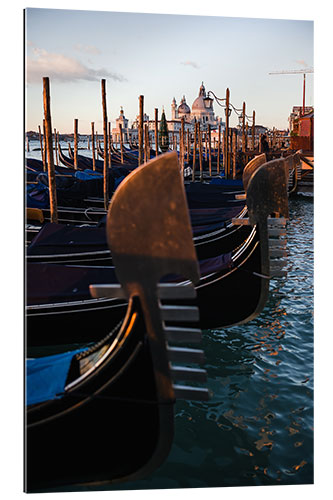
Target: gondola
[[232, 289], [104, 414]]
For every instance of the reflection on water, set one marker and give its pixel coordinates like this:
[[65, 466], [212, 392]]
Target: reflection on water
[[258, 427]]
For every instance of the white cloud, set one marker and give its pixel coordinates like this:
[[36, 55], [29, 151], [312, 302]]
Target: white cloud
[[63, 68], [87, 49], [190, 63]]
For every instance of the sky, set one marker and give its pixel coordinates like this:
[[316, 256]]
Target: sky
[[162, 56]]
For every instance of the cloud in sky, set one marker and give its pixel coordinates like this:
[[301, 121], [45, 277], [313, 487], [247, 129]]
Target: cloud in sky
[[87, 49], [302, 63], [190, 63], [63, 68]]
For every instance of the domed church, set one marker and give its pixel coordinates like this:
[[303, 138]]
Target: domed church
[[202, 110]]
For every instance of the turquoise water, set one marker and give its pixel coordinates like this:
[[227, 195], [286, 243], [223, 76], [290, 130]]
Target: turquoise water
[[258, 427]]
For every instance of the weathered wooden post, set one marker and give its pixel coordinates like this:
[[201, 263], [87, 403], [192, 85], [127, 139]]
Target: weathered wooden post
[[194, 149], [234, 153], [226, 135], [75, 142], [121, 143], [44, 150], [210, 150], [105, 166], [27, 143], [243, 130], [49, 148], [156, 131], [200, 151], [55, 147], [41, 146], [140, 130], [93, 145], [188, 146], [253, 130], [109, 143], [219, 149], [182, 145]]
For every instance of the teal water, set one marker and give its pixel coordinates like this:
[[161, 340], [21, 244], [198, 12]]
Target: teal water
[[258, 427]]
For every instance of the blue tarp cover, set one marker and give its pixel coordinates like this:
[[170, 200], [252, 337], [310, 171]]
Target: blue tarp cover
[[46, 377]]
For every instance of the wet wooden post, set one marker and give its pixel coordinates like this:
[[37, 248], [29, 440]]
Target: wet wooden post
[[194, 150], [243, 130], [259, 145], [93, 145], [75, 142], [253, 130], [140, 130], [226, 135], [156, 131], [44, 150], [55, 147], [121, 143], [49, 148], [105, 132], [218, 149]]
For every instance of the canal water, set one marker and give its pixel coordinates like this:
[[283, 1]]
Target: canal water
[[257, 429]]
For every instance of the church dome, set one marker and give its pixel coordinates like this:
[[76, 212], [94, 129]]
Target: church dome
[[199, 106], [183, 108]]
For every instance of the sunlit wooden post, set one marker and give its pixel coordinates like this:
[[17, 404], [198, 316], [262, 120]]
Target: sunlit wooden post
[[226, 135], [109, 143], [194, 149], [121, 143], [44, 150], [140, 130], [41, 146], [253, 130], [200, 151], [55, 147], [105, 131], [219, 149], [49, 148], [234, 153], [93, 145], [156, 131], [210, 150], [75, 142], [243, 130], [182, 145]]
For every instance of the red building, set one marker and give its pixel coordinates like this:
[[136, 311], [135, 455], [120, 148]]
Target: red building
[[303, 132]]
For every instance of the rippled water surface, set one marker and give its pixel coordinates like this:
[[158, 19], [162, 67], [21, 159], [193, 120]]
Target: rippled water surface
[[258, 427]]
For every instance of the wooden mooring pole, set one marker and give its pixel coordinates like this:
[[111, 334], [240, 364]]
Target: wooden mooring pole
[[156, 131], [49, 148], [226, 135], [93, 145], [44, 150], [55, 147], [253, 130], [194, 149], [200, 151], [218, 149], [210, 150], [105, 131], [140, 130], [75, 143], [109, 143]]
